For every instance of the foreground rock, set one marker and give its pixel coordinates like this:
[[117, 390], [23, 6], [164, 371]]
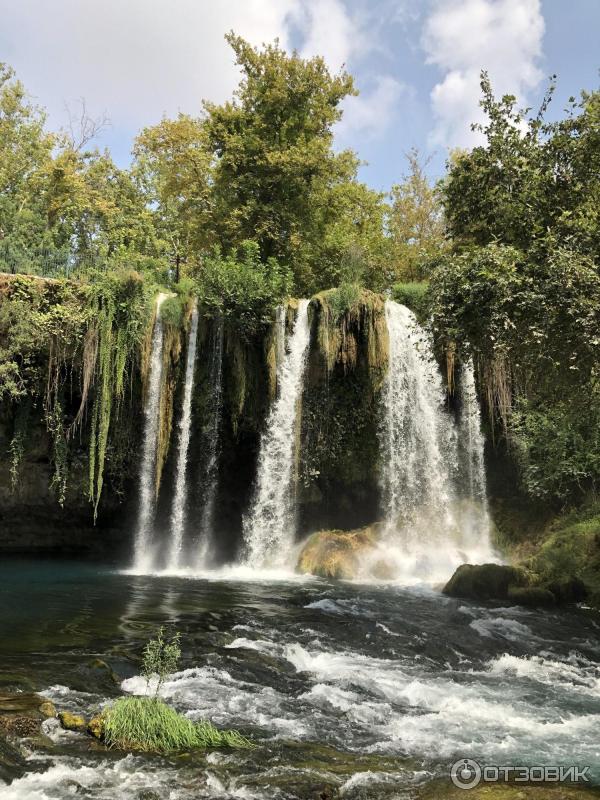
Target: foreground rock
[[72, 722], [22, 713], [444, 790], [499, 582], [337, 554], [12, 763]]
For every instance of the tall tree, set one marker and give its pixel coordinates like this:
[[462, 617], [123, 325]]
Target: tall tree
[[25, 152], [415, 222], [173, 167], [275, 168], [533, 183]]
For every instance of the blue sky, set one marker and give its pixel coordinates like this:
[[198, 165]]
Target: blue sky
[[415, 62]]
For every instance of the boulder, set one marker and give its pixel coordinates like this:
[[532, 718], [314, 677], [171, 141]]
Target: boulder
[[337, 554], [532, 596], [568, 590], [22, 713], [485, 581], [498, 582], [12, 763], [72, 722], [100, 667], [95, 727]]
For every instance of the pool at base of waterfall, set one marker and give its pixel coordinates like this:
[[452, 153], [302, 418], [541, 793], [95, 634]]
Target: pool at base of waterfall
[[349, 691]]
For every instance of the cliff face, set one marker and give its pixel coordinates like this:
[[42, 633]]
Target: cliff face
[[338, 474], [336, 441]]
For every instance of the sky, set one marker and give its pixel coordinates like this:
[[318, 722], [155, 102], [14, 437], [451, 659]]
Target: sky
[[416, 63]]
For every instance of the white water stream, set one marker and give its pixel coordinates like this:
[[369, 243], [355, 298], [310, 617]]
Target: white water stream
[[269, 528]]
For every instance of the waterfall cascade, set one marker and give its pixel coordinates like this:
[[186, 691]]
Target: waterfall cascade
[[142, 558], [210, 472], [185, 426], [269, 528], [429, 529], [472, 442], [432, 479]]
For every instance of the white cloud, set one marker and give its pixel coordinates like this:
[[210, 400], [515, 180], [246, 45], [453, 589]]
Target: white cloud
[[328, 31], [462, 37], [370, 113], [138, 60]]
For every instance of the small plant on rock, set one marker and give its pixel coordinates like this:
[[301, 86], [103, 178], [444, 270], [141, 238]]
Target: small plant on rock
[[161, 657]]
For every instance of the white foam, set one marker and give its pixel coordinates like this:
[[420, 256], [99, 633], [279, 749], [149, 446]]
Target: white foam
[[502, 626], [578, 675]]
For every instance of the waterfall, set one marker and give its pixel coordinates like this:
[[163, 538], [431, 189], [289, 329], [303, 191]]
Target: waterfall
[[269, 528], [210, 473], [426, 531], [185, 425], [472, 444], [416, 436], [147, 486]]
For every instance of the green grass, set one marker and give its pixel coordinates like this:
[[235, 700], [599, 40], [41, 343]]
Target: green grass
[[150, 725]]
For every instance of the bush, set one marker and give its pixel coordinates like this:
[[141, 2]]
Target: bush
[[161, 657], [344, 298], [171, 311], [413, 296], [150, 725], [242, 288]]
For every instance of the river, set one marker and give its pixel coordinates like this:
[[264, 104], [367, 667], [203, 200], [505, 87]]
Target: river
[[349, 690]]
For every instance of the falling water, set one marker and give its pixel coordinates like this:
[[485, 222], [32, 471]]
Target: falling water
[[210, 473], [418, 454], [180, 495], [280, 336], [269, 528], [426, 531], [142, 559], [472, 445]]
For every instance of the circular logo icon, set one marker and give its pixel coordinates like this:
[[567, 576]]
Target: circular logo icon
[[465, 773]]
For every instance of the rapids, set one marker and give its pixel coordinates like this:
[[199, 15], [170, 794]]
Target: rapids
[[364, 691]]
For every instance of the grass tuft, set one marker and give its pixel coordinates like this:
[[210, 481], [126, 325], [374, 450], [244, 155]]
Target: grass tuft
[[150, 725]]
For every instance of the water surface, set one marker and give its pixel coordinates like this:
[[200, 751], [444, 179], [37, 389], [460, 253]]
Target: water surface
[[359, 691]]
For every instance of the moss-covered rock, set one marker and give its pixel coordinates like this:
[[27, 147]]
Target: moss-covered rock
[[72, 722], [445, 790], [48, 709], [99, 666], [485, 581], [532, 596], [347, 363], [337, 554], [95, 727], [515, 585]]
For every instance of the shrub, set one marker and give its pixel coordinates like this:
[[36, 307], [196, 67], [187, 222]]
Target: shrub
[[242, 288], [412, 295], [344, 298], [161, 657], [150, 725]]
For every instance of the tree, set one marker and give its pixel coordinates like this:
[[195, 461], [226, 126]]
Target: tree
[[173, 169], [415, 222], [534, 184], [275, 169], [25, 151]]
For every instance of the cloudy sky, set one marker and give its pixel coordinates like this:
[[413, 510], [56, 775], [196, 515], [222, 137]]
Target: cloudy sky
[[416, 62]]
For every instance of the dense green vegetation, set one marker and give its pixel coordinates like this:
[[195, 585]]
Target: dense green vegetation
[[55, 335], [520, 289], [148, 724]]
